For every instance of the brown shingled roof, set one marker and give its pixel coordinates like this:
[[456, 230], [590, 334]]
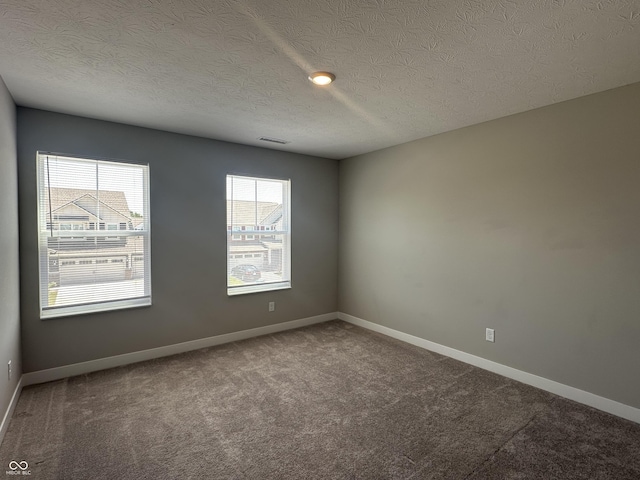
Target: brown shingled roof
[[245, 211], [114, 199]]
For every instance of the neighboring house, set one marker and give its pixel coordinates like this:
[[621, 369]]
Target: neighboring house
[[253, 239], [75, 258], [76, 209]]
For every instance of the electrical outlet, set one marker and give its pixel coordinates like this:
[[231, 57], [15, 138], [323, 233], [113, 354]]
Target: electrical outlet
[[9, 370], [272, 306], [490, 335]]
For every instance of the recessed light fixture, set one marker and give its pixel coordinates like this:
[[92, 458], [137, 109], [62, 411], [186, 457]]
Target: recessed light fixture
[[322, 78]]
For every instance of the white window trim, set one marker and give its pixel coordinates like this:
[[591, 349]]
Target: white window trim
[[47, 312], [286, 250], [105, 306], [262, 287]]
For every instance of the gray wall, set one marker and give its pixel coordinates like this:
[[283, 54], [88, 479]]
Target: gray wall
[[529, 224], [188, 239], [9, 274]]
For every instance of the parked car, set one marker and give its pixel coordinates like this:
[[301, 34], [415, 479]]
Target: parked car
[[246, 273]]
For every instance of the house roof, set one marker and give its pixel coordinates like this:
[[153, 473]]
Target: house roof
[[253, 213], [113, 199]]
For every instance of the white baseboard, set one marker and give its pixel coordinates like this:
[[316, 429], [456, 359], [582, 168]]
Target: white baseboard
[[580, 396], [65, 371], [4, 425]]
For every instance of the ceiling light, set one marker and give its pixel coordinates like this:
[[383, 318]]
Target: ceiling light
[[322, 78]]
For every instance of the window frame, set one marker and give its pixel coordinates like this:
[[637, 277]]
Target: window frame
[[257, 233], [49, 312]]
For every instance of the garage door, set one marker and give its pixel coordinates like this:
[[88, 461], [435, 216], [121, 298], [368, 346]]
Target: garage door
[[75, 271]]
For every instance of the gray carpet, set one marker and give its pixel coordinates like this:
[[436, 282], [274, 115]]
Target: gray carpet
[[330, 401]]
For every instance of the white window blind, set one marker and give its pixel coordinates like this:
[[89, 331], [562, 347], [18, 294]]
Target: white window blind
[[93, 219], [258, 234]]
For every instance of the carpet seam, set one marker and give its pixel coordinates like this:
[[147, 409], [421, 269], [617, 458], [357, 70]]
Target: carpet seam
[[493, 454]]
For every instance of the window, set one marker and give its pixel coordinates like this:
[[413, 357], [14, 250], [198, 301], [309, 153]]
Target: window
[[92, 272], [253, 206]]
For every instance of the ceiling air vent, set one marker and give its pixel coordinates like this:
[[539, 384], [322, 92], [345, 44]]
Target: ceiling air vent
[[273, 140]]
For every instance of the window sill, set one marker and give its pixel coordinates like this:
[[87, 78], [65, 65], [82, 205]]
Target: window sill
[[243, 290], [57, 312]]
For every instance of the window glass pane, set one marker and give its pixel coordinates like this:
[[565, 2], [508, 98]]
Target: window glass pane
[[83, 269], [257, 262]]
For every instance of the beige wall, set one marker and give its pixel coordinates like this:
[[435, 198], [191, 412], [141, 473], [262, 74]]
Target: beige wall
[[528, 224], [9, 276], [188, 239]]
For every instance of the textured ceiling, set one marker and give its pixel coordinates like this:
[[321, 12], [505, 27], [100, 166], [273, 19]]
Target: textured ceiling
[[237, 70]]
